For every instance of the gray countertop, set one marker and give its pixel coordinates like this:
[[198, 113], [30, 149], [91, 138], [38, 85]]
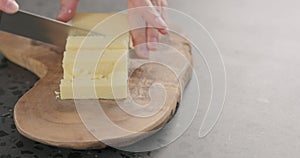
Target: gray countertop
[[259, 42]]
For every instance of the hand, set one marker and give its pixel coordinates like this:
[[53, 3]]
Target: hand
[[67, 10], [9, 6], [155, 16], [153, 13]]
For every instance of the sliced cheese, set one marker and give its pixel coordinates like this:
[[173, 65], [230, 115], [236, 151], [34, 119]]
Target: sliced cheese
[[108, 24], [81, 63], [98, 42], [87, 55], [97, 66], [112, 87]]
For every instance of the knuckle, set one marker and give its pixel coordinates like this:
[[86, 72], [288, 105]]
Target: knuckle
[[138, 33], [3, 4], [152, 32], [164, 3]]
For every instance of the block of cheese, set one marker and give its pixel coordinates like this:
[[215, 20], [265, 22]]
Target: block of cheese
[[98, 42], [110, 87], [84, 62], [108, 24], [96, 66]]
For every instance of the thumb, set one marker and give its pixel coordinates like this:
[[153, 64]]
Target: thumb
[[67, 10], [9, 6]]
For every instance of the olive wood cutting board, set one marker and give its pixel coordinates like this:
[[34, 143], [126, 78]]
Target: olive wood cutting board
[[41, 116]]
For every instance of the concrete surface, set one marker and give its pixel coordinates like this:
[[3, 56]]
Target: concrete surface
[[259, 41]]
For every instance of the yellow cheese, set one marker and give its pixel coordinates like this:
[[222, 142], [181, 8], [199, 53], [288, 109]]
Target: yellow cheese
[[85, 62], [108, 24], [87, 55], [96, 66], [112, 87], [97, 42]]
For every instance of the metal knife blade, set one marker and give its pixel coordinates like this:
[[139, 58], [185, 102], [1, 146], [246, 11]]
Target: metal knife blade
[[40, 28]]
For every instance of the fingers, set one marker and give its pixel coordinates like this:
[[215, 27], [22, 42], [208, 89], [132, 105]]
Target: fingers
[[67, 10], [164, 5], [139, 42], [150, 14], [152, 33], [138, 33], [152, 38], [146, 39], [9, 6]]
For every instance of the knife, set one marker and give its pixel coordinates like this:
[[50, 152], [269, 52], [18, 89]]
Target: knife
[[40, 28]]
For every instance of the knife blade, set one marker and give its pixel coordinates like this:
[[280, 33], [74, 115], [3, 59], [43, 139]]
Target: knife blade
[[40, 28]]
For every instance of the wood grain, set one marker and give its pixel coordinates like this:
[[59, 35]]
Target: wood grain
[[42, 117]]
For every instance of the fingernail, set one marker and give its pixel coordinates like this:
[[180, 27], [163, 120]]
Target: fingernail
[[64, 14], [161, 22], [12, 6], [142, 51], [153, 43]]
